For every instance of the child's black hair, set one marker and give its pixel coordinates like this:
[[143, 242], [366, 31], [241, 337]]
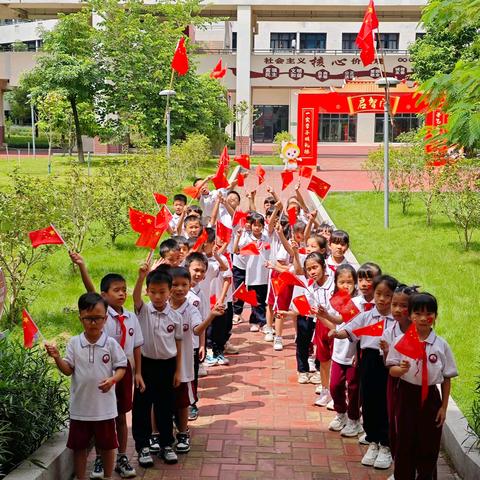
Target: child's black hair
[[210, 235], [326, 226], [270, 200], [299, 227], [248, 218], [195, 180], [234, 192], [321, 240], [159, 276], [422, 302], [341, 237], [388, 280], [180, 272], [180, 197], [346, 267], [406, 290], [192, 218], [88, 301], [191, 242], [316, 257], [168, 246], [196, 257], [108, 279], [196, 209], [257, 217], [181, 240], [269, 211], [369, 270], [287, 231]]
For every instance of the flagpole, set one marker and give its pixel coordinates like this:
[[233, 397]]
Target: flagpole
[[170, 87], [61, 238]]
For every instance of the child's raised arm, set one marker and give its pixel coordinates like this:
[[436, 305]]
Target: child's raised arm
[[272, 192], [273, 219], [251, 200], [137, 291], [283, 240], [312, 220], [300, 199], [216, 311], [77, 259], [236, 242], [62, 364], [180, 220]]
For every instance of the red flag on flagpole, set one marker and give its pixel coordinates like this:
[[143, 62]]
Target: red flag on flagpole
[[243, 160], [289, 278], [149, 238], [260, 171], [140, 221], [277, 286], [160, 199], [223, 232], [292, 216], [318, 186], [249, 296], [202, 238], [30, 330], [163, 218], [239, 218], [218, 71], [365, 40], [342, 303], [180, 58], [192, 192], [287, 178], [250, 249], [302, 305], [374, 330], [220, 180], [410, 345], [305, 172], [45, 236], [241, 180]]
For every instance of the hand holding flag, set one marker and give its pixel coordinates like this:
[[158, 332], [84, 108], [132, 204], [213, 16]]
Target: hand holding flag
[[248, 296], [374, 330], [302, 305], [342, 303]]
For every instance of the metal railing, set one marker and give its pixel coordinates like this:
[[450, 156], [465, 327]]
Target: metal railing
[[291, 51]]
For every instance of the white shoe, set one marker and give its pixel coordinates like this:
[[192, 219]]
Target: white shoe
[[311, 364], [391, 477], [202, 370], [230, 349], [372, 453], [362, 439], [303, 377], [319, 389], [323, 399], [338, 423], [237, 319], [278, 344], [268, 334], [254, 327], [384, 458], [352, 428], [330, 406], [315, 378]]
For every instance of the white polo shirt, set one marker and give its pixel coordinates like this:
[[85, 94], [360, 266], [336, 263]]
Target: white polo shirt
[[332, 265], [112, 328], [441, 363], [391, 333], [219, 281], [191, 318], [255, 272], [197, 299], [240, 261], [207, 285], [92, 363], [173, 224], [361, 303], [207, 202], [160, 330]]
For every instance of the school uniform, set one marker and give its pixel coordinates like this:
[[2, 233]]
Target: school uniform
[[279, 254], [332, 264], [207, 202], [373, 376], [161, 330], [418, 436], [92, 412], [125, 329], [239, 272], [173, 224]]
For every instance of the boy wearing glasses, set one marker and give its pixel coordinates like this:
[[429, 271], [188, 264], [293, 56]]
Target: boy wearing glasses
[[96, 363]]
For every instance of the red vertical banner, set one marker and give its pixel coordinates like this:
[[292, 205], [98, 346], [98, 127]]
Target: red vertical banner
[[307, 134]]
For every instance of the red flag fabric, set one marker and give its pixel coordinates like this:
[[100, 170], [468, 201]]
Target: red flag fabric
[[277, 286], [260, 171], [45, 236], [374, 330], [250, 249], [223, 232], [180, 58], [364, 40], [218, 71], [140, 221], [149, 238], [292, 216], [410, 345], [160, 199], [239, 218], [342, 303], [220, 178], [287, 178], [289, 278], [243, 160], [202, 238], [220, 181], [305, 172], [192, 192], [318, 186], [213, 300], [163, 218], [241, 180], [302, 305], [224, 158], [249, 296], [30, 330]]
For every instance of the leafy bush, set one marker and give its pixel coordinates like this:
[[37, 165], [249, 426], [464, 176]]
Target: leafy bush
[[373, 165], [279, 138], [33, 402], [474, 420]]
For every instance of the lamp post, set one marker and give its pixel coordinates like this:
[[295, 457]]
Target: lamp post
[[168, 94], [386, 83], [32, 116]]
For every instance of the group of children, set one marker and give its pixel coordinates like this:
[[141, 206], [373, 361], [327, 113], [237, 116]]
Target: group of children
[[150, 361]]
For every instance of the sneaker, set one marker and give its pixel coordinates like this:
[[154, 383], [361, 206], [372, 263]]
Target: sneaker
[[362, 439], [97, 471], [315, 378], [144, 458], [330, 406], [311, 364], [384, 458], [352, 428], [338, 422], [221, 360], [231, 349], [268, 334], [254, 327], [391, 477], [168, 455], [324, 398], [303, 377], [154, 444], [123, 467], [237, 319], [371, 455], [192, 413], [319, 389], [202, 370], [211, 361], [278, 344], [183, 443]]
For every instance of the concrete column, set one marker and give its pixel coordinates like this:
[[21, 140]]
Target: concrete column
[[243, 85], [365, 127], [293, 114]]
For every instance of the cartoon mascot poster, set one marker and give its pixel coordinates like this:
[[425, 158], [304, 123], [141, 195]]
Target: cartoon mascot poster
[[290, 154]]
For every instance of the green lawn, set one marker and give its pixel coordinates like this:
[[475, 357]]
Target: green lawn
[[429, 257]]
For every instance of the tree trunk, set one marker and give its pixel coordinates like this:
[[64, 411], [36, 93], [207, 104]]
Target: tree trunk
[[78, 132]]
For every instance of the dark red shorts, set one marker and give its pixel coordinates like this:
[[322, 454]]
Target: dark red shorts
[[81, 433], [124, 391], [184, 395], [322, 342], [285, 297]]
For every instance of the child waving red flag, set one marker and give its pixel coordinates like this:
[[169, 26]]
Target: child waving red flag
[[250, 249], [287, 178], [374, 330], [249, 296], [302, 305], [342, 303], [318, 186], [289, 278], [180, 58], [45, 236]]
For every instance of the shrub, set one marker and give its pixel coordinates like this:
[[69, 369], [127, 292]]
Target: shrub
[[474, 420], [373, 165], [33, 402], [279, 138]]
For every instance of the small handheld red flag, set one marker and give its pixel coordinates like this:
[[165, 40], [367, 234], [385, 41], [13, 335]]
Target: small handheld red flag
[[213, 300], [277, 286], [223, 232], [374, 330], [318, 186], [292, 216], [163, 218], [287, 178], [249, 296], [241, 180], [364, 40], [305, 172], [289, 278], [218, 71], [45, 236], [239, 218], [202, 238], [30, 330], [250, 249], [160, 199], [220, 181], [260, 171], [192, 192], [342, 303], [180, 58], [243, 160], [149, 238], [410, 345], [302, 305], [140, 221]]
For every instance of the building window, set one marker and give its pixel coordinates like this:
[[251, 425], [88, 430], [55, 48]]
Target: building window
[[270, 120], [402, 122], [313, 41], [419, 35], [388, 41], [337, 127], [282, 41], [234, 41], [348, 42]]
